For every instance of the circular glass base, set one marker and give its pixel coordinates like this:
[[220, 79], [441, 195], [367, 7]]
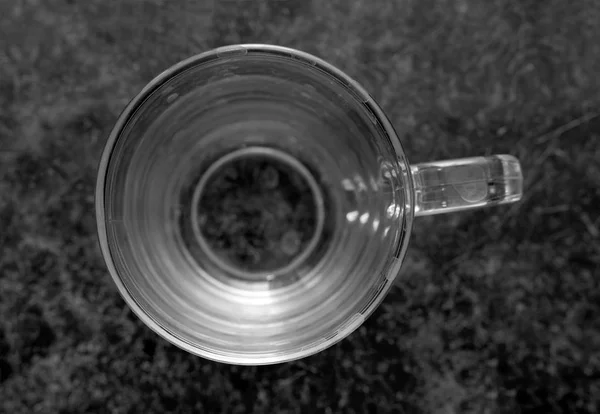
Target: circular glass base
[[257, 212]]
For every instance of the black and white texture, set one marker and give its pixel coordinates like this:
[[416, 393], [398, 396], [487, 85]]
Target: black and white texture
[[496, 311]]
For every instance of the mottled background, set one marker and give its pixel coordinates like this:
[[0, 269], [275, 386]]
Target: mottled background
[[496, 311]]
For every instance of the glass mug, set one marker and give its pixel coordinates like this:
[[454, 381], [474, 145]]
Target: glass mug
[[254, 204]]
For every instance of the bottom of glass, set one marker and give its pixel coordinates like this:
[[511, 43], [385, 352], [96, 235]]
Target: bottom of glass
[[257, 212]]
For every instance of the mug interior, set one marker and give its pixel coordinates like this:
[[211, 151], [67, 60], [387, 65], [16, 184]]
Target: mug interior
[[270, 100]]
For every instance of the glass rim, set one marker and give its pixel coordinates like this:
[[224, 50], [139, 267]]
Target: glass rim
[[138, 102]]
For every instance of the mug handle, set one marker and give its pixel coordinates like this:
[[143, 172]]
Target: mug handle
[[466, 183]]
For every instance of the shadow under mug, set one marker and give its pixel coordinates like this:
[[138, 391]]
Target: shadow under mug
[[254, 204]]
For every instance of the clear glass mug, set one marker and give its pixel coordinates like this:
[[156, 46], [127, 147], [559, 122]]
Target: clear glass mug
[[254, 204]]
